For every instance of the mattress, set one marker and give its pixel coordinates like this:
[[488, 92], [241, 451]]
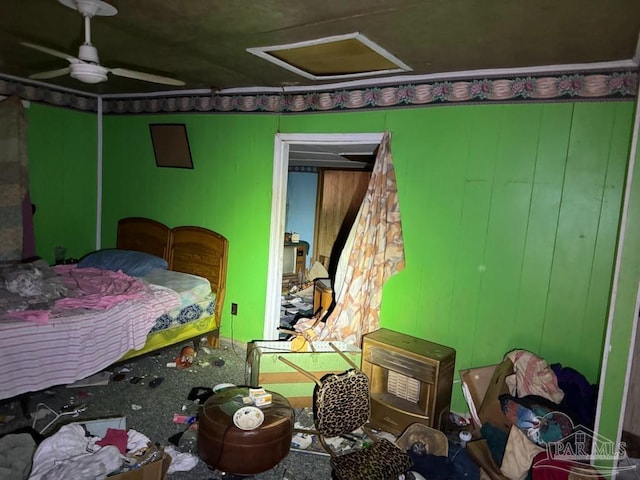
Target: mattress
[[84, 342], [196, 299], [80, 344], [186, 314], [191, 288]]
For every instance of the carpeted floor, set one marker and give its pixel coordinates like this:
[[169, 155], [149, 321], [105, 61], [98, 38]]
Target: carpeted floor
[[150, 410]]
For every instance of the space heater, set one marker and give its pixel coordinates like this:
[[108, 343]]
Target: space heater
[[410, 380]]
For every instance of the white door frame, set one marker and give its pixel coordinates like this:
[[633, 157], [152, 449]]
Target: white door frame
[[278, 210]]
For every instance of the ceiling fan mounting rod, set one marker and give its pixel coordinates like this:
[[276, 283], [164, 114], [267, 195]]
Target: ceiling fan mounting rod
[[87, 30], [87, 52]]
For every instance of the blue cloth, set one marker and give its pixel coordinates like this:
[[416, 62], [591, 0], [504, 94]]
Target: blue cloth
[[458, 465], [463, 466]]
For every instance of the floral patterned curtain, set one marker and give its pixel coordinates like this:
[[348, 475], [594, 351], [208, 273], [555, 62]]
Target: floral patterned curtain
[[373, 253], [14, 179]]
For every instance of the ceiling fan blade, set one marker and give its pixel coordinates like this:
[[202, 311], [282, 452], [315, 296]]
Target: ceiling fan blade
[[147, 77], [50, 74], [50, 51]]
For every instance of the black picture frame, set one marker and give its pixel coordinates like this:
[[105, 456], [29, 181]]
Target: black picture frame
[[171, 145]]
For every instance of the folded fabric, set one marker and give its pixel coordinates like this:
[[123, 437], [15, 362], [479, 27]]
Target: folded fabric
[[518, 455], [496, 441], [117, 438], [532, 377]]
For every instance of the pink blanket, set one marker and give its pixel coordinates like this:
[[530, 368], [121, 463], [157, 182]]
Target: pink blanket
[[91, 288]]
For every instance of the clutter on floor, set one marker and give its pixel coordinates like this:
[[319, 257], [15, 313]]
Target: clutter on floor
[[145, 420], [164, 410], [301, 300], [526, 414]]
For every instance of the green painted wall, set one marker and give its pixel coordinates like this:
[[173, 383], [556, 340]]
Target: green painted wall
[[623, 312], [509, 216], [509, 213], [63, 179], [229, 191]]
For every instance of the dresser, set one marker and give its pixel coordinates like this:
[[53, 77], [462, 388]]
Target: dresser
[[322, 294]]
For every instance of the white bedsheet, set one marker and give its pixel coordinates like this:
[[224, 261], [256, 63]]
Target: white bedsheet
[[69, 348]]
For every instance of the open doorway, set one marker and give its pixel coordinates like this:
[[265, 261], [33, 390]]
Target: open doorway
[[284, 145]]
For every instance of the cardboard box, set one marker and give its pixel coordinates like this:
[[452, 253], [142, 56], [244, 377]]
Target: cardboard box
[[153, 471], [484, 386], [490, 408], [270, 373]]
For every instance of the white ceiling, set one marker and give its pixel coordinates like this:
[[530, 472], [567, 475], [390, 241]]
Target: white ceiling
[[332, 156]]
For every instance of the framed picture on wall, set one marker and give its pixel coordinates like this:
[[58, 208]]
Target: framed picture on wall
[[171, 145]]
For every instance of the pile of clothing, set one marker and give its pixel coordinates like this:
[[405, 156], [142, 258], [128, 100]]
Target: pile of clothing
[[530, 413], [72, 453]]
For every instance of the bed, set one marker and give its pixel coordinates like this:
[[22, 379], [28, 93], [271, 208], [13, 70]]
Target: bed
[[68, 346]]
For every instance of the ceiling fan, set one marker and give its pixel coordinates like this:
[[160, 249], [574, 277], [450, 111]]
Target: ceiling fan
[[86, 66]]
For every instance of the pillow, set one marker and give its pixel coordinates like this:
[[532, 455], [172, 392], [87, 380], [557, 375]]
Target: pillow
[[518, 455], [130, 262]]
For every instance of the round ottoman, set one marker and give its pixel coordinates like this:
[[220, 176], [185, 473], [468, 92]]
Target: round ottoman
[[224, 446]]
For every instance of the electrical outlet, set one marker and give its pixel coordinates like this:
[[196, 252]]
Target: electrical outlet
[[234, 309]]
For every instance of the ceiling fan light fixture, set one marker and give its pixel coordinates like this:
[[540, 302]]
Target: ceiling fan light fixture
[[88, 73]]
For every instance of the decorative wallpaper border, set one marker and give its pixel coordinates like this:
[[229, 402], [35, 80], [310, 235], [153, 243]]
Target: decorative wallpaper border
[[609, 85], [620, 84], [49, 95]]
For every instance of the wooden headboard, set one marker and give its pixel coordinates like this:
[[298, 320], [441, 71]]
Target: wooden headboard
[[202, 252], [144, 235], [187, 249]]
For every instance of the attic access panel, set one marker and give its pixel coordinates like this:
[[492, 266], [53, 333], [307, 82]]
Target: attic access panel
[[336, 57]]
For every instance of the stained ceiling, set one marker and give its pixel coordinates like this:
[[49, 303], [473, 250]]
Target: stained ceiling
[[204, 42]]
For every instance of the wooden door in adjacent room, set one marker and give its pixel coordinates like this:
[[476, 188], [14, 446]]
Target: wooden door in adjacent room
[[340, 194]]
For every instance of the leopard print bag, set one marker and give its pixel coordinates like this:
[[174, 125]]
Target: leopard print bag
[[342, 405], [380, 461]]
